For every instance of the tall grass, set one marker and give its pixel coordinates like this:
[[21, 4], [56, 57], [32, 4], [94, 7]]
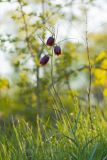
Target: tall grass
[[61, 141]]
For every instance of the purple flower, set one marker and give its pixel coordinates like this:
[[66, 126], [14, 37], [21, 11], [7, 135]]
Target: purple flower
[[44, 60], [57, 50], [50, 41]]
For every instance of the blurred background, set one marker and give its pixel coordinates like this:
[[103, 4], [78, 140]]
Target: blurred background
[[25, 85]]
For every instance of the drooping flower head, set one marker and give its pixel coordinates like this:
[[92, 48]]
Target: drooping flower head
[[57, 50], [50, 41], [44, 60]]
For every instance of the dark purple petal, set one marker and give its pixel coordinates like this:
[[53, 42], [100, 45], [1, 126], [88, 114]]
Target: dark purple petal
[[57, 50], [44, 60], [50, 41]]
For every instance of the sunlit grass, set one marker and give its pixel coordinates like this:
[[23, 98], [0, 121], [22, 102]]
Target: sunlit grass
[[61, 141]]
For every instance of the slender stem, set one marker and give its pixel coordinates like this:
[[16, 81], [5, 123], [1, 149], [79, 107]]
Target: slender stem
[[38, 68], [58, 99], [26, 29], [90, 73], [32, 53]]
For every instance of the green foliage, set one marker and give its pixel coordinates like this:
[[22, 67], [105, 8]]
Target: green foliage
[[21, 141]]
